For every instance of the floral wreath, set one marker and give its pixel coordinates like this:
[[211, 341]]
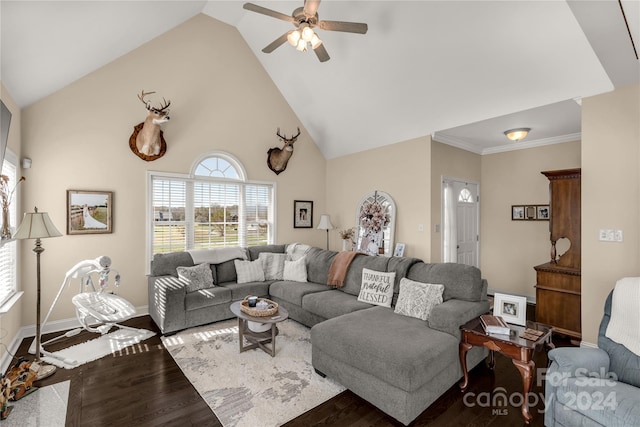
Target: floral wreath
[[373, 217]]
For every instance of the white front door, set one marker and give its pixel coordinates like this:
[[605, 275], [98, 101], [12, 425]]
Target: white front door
[[464, 216]]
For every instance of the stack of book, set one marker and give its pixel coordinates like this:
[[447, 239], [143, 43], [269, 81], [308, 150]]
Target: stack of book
[[494, 325]]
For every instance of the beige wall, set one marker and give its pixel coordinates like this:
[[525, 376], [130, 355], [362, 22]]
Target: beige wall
[[11, 321], [402, 171], [510, 249], [448, 161], [221, 99], [610, 197]]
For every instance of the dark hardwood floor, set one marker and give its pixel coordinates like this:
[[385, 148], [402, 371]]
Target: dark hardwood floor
[[145, 387]]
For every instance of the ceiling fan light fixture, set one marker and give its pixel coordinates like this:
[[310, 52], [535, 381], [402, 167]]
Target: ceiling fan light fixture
[[315, 41], [307, 32], [294, 37], [302, 45], [517, 134]]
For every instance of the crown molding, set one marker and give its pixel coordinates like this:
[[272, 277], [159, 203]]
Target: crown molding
[[521, 145]]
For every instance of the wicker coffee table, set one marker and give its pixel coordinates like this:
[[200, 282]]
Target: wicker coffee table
[[258, 339]]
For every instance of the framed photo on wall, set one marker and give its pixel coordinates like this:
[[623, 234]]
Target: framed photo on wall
[[543, 212], [513, 309], [89, 212], [302, 214], [517, 212]]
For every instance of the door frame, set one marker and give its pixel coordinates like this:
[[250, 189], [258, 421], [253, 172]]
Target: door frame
[[447, 178]]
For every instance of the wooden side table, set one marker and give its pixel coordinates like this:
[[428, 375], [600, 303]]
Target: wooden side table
[[519, 350], [258, 339]]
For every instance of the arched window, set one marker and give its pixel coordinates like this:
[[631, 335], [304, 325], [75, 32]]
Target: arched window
[[465, 196], [214, 206]]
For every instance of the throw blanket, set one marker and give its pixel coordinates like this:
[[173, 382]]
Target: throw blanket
[[218, 255], [339, 267], [624, 326]]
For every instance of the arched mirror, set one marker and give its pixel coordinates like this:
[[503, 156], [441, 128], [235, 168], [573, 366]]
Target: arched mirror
[[375, 224]]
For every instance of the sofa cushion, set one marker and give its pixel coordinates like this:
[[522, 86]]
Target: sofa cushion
[[332, 303], [294, 291], [353, 279], [207, 298], [295, 271], [460, 281], [272, 264], [401, 266], [226, 272], [377, 287], [255, 251], [241, 290], [402, 351], [166, 264], [318, 263], [418, 299], [196, 277], [249, 271]]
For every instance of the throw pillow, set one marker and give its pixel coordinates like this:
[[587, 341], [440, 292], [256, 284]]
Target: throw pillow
[[273, 265], [295, 271], [418, 299], [377, 287], [249, 271], [197, 277]]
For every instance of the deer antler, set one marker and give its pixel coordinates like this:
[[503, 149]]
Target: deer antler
[[165, 106], [284, 138], [141, 98]]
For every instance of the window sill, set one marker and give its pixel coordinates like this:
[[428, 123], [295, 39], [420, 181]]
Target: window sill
[[6, 307]]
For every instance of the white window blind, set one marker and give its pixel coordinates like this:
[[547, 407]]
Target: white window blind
[[209, 211], [8, 251]]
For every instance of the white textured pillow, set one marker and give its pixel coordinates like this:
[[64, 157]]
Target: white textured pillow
[[377, 287], [197, 277], [249, 271], [273, 265], [417, 299], [296, 271]]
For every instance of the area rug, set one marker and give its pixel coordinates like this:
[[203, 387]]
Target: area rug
[[47, 406], [116, 343], [251, 388]]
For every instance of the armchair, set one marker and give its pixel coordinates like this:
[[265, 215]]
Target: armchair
[[593, 386]]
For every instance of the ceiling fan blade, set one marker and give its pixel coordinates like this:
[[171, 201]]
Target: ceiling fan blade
[[322, 53], [311, 7], [347, 27], [276, 43], [263, 10]]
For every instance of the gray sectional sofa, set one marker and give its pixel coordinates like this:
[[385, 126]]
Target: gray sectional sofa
[[400, 364]]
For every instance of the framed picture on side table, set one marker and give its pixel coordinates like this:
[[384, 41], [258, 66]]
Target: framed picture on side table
[[512, 308], [399, 250], [302, 214]]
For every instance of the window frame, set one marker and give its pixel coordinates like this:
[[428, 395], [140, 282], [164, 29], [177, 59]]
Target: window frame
[[7, 300], [190, 179]]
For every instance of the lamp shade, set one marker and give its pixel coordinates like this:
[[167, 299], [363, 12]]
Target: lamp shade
[[325, 223], [36, 225]]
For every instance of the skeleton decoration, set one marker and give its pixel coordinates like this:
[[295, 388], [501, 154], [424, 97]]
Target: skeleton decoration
[[147, 140], [277, 158]]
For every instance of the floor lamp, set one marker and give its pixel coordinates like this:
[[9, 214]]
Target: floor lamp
[[38, 225], [325, 224]]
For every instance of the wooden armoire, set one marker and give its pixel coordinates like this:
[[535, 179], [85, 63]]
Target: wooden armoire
[[558, 286]]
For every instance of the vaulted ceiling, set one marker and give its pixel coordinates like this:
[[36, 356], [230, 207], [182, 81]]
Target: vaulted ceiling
[[462, 71]]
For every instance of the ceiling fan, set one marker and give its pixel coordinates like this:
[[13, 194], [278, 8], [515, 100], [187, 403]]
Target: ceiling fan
[[305, 20]]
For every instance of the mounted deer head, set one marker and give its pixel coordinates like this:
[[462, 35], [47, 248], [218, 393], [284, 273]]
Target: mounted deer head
[[147, 141], [277, 158]]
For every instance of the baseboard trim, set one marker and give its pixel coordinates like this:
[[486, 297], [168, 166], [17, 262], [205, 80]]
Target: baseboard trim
[[55, 326]]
